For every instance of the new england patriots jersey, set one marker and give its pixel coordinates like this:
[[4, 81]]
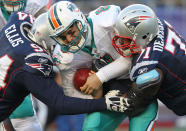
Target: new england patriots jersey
[[166, 52], [18, 53], [27, 68]]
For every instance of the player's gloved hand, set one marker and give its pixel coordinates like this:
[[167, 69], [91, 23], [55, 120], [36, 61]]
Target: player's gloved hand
[[115, 101]]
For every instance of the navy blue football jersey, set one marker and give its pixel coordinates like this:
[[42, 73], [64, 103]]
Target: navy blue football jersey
[[17, 52], [27, 68], [166, 52]]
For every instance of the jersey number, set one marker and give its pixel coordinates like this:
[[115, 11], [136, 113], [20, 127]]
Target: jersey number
[[23, 16], [102, 9], [173, 38], [6, 62]]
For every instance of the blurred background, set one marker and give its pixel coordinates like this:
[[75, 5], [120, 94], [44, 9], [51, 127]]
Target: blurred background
[[173, 11]]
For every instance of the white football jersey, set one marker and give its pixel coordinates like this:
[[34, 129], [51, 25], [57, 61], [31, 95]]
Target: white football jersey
[[32, 7], [103, 21]]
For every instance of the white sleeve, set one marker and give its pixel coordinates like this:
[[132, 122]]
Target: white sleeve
[[115, 69]]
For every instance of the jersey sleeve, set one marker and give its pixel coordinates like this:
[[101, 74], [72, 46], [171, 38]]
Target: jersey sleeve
[[144, 62], [39, 64], [119, 67]]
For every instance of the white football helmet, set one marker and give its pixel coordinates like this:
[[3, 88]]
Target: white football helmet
[[39, 33], [136, 26], [13, 5], [62, 16]]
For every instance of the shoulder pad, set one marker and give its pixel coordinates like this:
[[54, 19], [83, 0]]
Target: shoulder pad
[[19, 17], [62, 59], [105, 15]]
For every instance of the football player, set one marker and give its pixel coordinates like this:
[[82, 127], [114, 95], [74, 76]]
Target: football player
[[27, 68], [159, 60], [23, 118], [81, 41]]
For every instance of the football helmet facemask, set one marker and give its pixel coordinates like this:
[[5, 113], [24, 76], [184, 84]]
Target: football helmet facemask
[[136, 26]]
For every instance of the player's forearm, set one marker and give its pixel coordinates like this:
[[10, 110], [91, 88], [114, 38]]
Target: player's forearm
[[115, 69], [47, 90], [72, 105]]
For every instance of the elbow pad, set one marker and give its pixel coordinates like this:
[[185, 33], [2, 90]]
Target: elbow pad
[[148, 83], [143, 91]]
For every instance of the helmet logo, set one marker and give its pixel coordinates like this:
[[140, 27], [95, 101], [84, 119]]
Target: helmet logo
[[131, 24], [73, 8]]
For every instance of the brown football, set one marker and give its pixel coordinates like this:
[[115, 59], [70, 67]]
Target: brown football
[[80, 77]]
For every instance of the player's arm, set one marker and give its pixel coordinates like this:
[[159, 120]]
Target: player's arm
[[115, 69], [106, 72], [143, 91], [49, 92]]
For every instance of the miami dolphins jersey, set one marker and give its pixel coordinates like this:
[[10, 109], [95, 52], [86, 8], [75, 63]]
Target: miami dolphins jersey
[[166, 52], [99, 41], [18, 53]]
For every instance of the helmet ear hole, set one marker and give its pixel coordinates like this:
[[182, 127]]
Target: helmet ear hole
[[145, 36]]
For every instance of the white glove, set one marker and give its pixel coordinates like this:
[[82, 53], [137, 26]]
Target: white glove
[[115, 101]]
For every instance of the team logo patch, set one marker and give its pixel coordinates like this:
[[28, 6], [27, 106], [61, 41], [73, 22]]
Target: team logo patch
[[73, 8], [44, 68]]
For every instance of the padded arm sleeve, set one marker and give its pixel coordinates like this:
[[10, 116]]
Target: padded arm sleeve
[[47, 90], [143, 91]]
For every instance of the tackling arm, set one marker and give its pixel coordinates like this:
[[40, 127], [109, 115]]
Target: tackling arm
[[46, 89], [143, 91]]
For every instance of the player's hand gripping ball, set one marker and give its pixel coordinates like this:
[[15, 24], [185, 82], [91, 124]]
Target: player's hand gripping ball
[[80, 77]]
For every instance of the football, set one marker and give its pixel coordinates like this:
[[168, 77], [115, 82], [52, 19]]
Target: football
[[80, 77]]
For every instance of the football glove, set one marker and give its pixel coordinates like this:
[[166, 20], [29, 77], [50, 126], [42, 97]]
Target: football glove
[[115, 101]]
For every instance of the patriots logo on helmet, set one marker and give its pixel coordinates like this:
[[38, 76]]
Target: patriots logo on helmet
[[134, 22]]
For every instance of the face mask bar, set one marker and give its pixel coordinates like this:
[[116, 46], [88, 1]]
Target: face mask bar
[[125, 46]]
